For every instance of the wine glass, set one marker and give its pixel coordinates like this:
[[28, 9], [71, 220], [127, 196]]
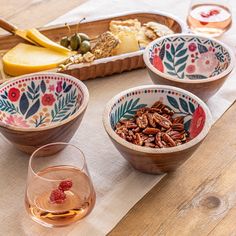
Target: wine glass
[[209, 17], [59, 188]]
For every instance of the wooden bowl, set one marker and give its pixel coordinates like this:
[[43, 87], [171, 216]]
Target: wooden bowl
[[197, 121], [195, 63], [41, 108]]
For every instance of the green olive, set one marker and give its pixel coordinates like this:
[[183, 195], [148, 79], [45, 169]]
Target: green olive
[[75, 42], [84, 37], [65, 42], [85, 47]]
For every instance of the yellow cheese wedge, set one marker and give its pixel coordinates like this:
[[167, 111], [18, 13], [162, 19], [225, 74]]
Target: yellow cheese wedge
[[24, 59], [128, 43], [43, 41]]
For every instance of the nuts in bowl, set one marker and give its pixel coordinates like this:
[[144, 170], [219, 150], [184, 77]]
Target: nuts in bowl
[[195, 63], [156, 127]]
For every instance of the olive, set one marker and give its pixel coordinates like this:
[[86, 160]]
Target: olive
[[84, 37], [75, 42], [65, 41], [85, 47]]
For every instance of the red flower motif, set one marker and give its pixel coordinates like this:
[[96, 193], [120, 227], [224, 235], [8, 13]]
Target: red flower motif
[[167, 46], [59, 86], [192, 47], [13, 94], [157, 63], [48, 99], [191, 68], [197, 122]]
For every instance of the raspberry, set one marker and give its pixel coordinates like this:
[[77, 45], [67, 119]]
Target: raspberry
[[214, 12], [65, 185], [204, 14], [57, 196]]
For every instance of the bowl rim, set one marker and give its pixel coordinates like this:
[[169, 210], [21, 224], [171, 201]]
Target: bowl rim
[[184, 81], [83, 106], [141, 149]]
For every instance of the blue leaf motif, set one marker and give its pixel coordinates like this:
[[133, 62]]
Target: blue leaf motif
[[4, 96], [181, 53], [33, 85], [181, 60], [162, 52], [202, 48], [187, 125], [179, 47], [33, 109], [24, 104], [192, 108], [169, 57], [196, 76], [168, 66], [68, 88], [183, 104], [173, 102], [181, 68], [43, 86], [172, 49]]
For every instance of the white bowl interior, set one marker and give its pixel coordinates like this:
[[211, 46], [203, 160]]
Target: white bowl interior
[[183, 103], [188, 57], [39, 100]]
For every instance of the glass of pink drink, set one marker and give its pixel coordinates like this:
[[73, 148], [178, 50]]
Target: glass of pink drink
[[209, 17], [59, 189]]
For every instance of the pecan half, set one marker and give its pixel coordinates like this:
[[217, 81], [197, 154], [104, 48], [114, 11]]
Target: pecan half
[[151, 131], [162, 121], [178, 127], [169, 140], [151, 120], [142, 121]]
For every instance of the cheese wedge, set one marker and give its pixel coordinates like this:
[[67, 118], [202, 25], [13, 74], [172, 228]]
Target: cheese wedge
[[24, 59], [43, 41], [128, 43]]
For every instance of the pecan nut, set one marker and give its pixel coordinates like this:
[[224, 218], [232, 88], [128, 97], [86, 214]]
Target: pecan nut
[[142, 121]]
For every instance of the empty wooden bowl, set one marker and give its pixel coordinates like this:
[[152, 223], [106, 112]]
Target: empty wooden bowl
[[197, 121], [41, 108], [195, 63]]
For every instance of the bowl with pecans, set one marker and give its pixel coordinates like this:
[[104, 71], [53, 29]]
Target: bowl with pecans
[[156, 127], [198, 64]]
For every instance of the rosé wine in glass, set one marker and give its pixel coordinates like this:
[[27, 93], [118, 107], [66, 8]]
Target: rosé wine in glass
[[209, 19], [59, 189]]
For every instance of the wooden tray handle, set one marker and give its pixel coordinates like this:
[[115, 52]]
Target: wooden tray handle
[[7, 26]]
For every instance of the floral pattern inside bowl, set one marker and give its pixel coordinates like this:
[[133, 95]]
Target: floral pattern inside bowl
[[189, 57], [180, 101], [39, 100]]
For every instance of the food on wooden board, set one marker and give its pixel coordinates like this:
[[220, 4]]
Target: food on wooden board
[[155, 127], [123, 37], [25, 58], [105, 45], [159, 29]]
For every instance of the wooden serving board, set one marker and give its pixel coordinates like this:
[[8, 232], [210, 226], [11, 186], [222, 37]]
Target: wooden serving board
[[94, 27]]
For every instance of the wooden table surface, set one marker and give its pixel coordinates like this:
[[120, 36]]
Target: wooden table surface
[[200, 197]]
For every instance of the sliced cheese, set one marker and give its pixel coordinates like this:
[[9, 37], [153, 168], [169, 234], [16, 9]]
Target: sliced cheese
[[128, 43], [43, 41], [24, 59]]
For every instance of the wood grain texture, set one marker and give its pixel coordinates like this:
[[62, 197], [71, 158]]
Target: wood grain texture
[[199, 198]]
